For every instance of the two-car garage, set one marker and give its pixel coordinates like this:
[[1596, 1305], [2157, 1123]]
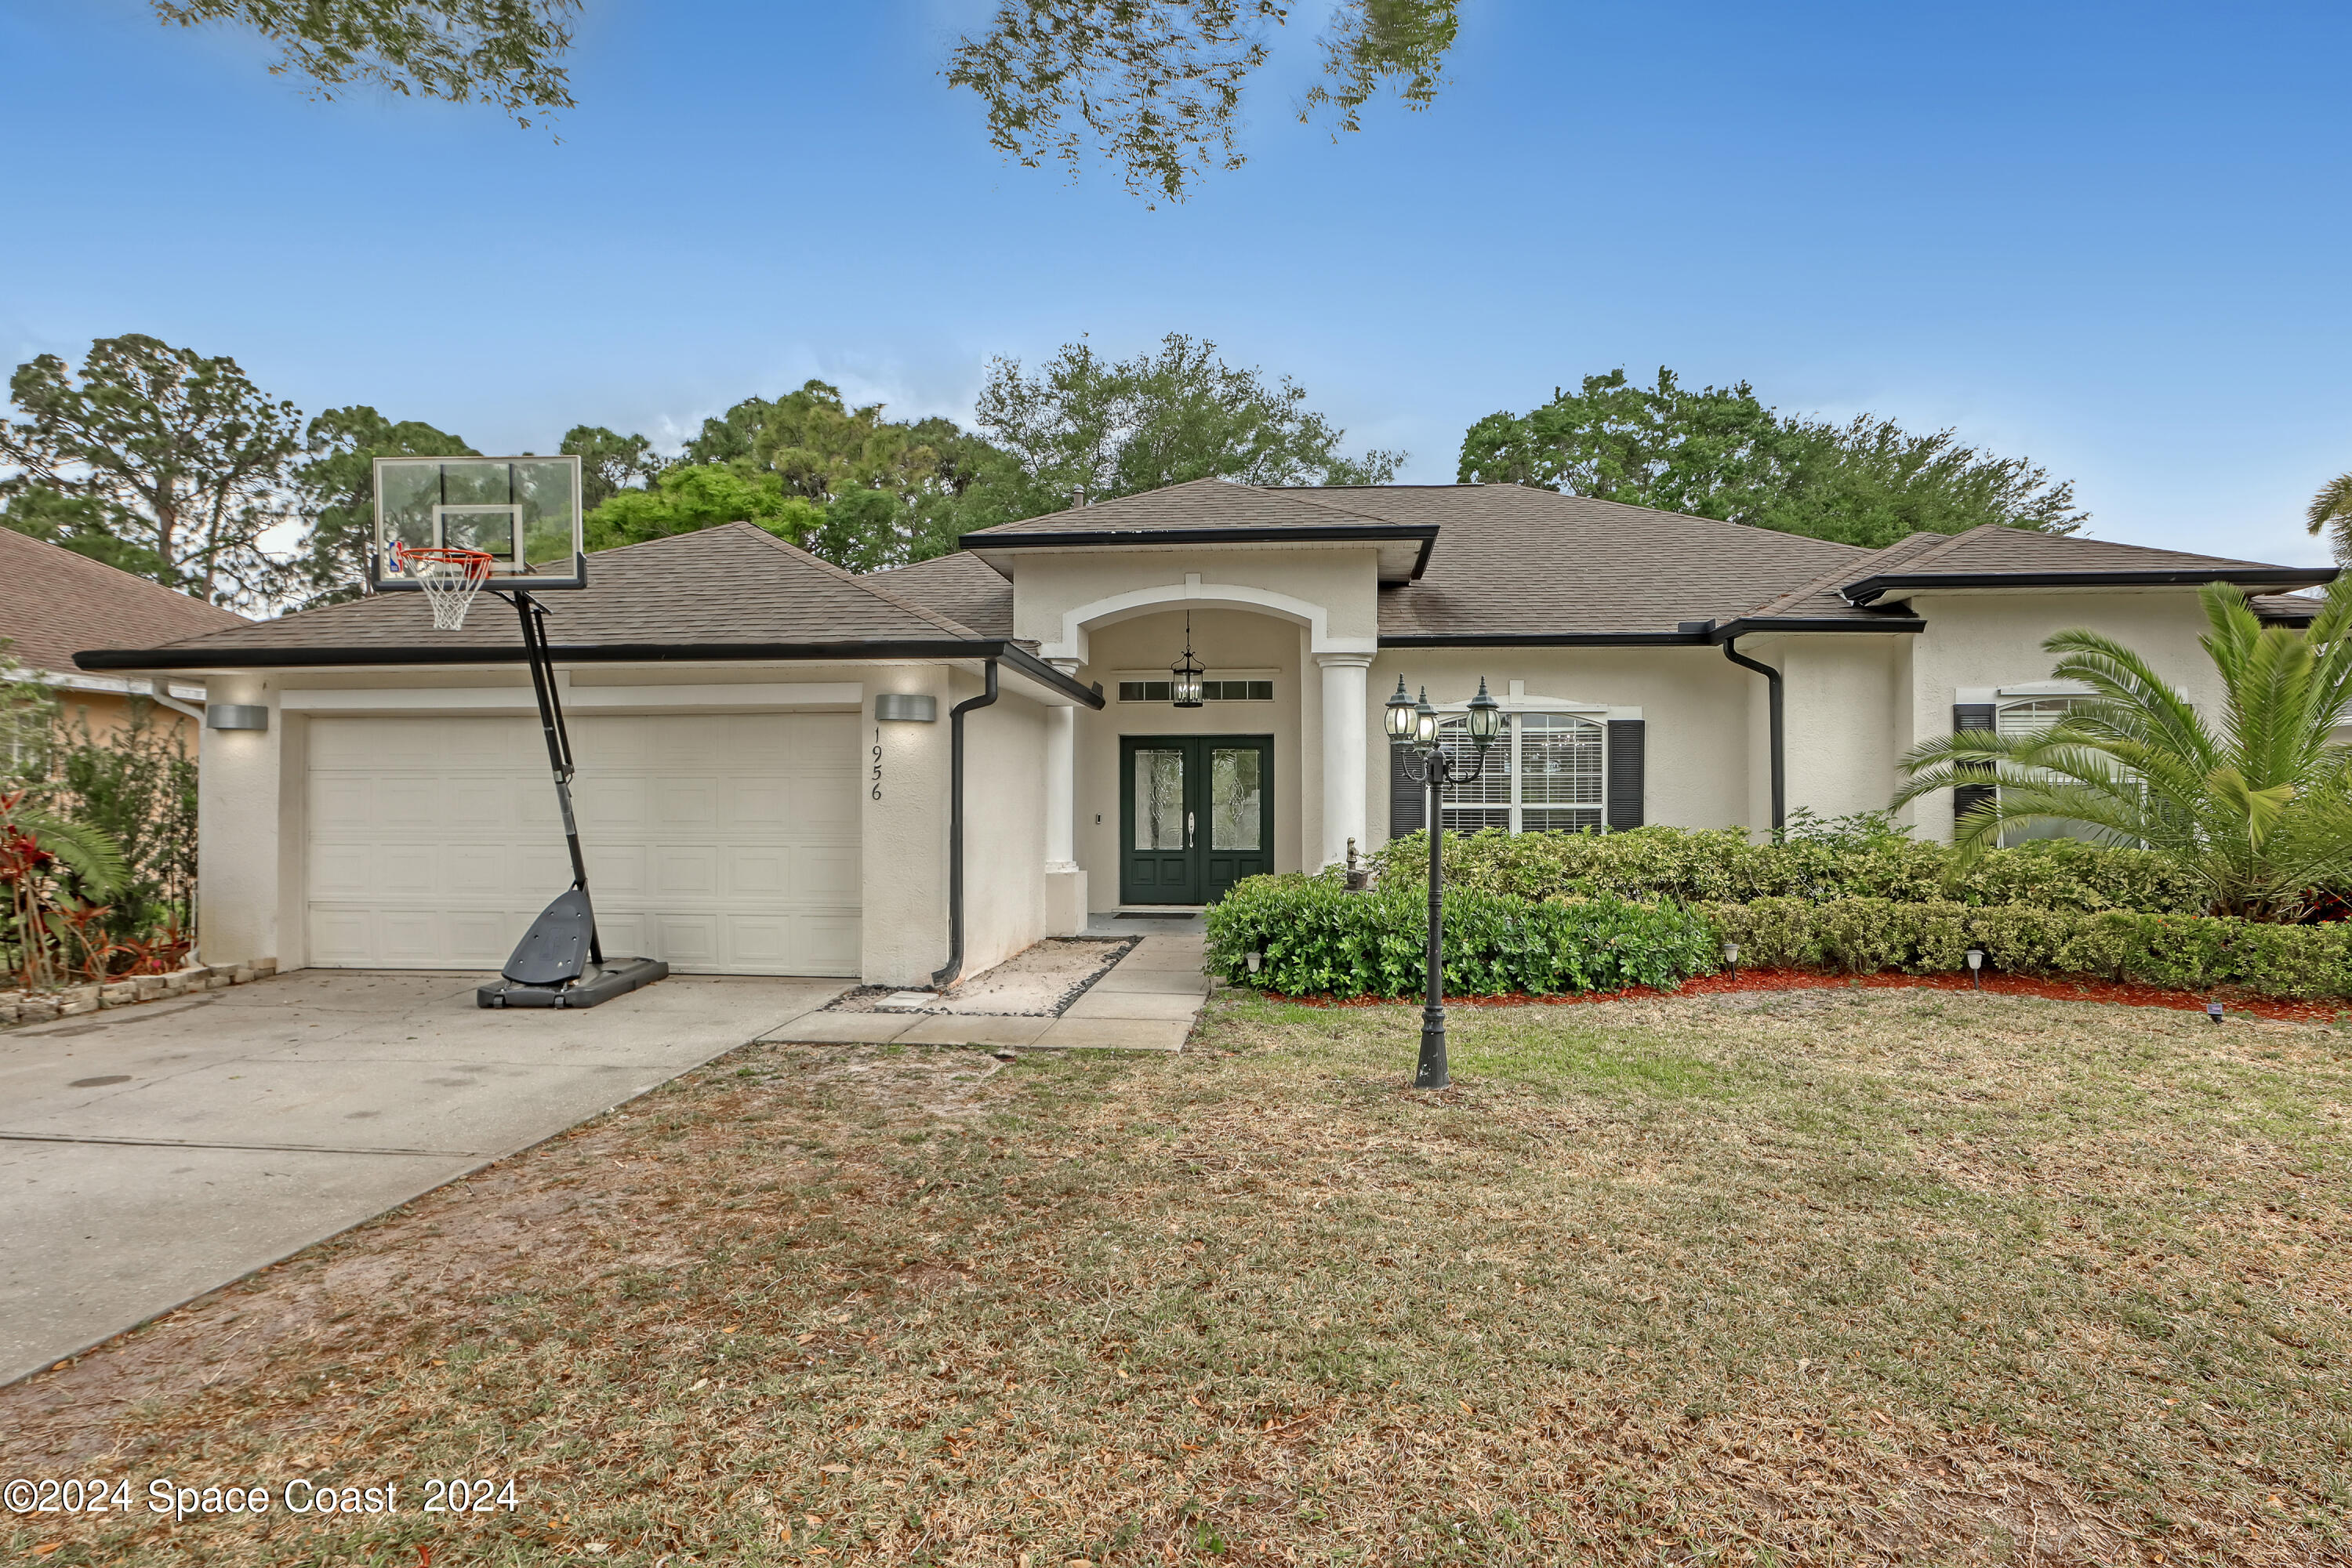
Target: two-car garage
[[723, 843]]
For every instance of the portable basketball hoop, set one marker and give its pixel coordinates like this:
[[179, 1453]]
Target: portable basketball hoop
[[448, 528], [448, 578]]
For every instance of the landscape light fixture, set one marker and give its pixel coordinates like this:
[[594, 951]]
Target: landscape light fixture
[[1411, 726], [1976, 968], [1184, 681], [1731, 957], [2213, 1011]]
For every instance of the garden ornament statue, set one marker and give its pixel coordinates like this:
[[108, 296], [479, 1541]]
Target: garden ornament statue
[[1412, 730]]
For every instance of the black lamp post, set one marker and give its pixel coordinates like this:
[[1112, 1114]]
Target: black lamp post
[[1412, 731]]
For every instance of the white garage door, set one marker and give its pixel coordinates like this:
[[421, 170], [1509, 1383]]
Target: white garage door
[[725, 844]]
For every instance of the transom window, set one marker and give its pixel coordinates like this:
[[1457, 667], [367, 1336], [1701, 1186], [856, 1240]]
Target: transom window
[[1544, 775], [1211, 691]]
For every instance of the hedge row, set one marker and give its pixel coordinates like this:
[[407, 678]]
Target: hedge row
[[1722, 866], [2194, 952], [1317, 939]]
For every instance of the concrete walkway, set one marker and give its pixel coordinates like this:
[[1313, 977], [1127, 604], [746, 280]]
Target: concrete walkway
[[1148, 1002], [150, 1154]]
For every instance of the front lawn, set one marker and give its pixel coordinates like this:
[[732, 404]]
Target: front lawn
[[1826, 1276]]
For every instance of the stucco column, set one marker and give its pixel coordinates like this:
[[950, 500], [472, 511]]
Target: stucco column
[[1065, 884], [1343, 752]]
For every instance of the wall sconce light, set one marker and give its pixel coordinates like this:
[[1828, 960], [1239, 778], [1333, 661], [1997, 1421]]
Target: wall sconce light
[[237, 716], [907, 707]]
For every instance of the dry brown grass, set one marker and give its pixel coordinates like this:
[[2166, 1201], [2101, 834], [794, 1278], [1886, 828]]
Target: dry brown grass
[[1860, 1276]]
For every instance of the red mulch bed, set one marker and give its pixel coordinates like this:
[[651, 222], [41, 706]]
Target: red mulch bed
[[2125, 993]]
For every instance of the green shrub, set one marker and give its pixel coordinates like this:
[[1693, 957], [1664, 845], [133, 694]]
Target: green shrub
[[1317, 939], [1689, 866], [2196, 952]]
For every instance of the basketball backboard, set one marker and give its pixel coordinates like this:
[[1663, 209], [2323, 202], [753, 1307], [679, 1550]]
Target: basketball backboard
[[524, 511]]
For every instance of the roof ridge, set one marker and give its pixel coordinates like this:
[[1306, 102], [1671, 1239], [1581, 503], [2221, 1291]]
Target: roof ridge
[[1951, 543], [921, 611]]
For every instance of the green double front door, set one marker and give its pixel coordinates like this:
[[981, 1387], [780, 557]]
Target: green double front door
[[1195, 816]]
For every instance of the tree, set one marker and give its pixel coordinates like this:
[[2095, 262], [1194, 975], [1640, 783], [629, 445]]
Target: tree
[[2257, 804], [1155, 86], [878, 491], [2331, 511], [77, 522], [609, 463], [688, 497], [1086, 426], [179, 457], [1720, 452], [502, 52], [336, 487]]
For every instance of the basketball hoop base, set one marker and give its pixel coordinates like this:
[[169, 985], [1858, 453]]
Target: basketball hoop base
[[597, 984]]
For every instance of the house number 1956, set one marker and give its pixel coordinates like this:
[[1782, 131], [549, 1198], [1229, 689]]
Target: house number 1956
[[878, 762]]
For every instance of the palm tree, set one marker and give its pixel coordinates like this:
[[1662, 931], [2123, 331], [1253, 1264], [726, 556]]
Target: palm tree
[[2331, 510], [2255, 801], [40, 851]]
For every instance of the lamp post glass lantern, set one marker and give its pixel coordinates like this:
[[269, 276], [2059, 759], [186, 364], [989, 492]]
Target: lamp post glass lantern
[[1412, 725]]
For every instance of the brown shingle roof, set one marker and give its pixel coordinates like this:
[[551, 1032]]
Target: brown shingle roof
[[1991, 550], [54, 603], [731, 587], [1516, 561], [962, 586], [1198, 503]]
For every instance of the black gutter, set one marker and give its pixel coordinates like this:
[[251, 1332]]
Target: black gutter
[[945, 975], [1772, 699], [1011, 652], [1315, 533], [1870, 588]]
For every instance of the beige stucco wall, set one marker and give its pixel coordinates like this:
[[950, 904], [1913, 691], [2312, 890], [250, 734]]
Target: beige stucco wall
[[1331, 588], [1224, 640], [1695, 702], [1841, 696], [1985, 639], [252, 790], [248, 834], [1004, 826]]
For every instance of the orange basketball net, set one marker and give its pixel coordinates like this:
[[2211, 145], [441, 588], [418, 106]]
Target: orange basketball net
[[448, 578]]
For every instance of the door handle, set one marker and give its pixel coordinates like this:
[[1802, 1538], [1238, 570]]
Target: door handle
[[1187, 830]]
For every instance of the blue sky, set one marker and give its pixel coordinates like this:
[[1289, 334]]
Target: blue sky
[[2108, 237]]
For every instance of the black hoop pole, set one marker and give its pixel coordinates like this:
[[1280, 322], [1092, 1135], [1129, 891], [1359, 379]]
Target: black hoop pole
[[559, 740]]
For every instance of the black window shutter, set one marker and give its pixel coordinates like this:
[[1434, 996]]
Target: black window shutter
[[1408, 801], [1971, 716], [1625, 744]]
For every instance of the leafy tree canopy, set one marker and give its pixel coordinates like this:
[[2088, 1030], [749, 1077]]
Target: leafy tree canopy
[[337, 489], [873, 491], [609, 462], [1086, 426], [1155, 86], [504, 52], [78, 523], [177, 460], [1720, 452]]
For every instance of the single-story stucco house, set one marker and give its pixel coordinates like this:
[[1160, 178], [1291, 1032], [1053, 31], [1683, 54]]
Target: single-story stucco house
[[764, 741]]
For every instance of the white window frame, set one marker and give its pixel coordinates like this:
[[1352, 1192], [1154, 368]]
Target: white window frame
[[1517, 707], [1120, 678], [2009, 699]]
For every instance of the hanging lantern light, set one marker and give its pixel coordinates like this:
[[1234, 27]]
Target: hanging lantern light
[[1185, 675]]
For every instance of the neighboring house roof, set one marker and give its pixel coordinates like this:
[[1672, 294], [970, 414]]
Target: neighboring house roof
[[731, 592], [960, 585], [54, 601], [2284, 609]]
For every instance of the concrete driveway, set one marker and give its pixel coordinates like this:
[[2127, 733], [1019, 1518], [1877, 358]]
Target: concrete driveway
[[149, 1153]]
